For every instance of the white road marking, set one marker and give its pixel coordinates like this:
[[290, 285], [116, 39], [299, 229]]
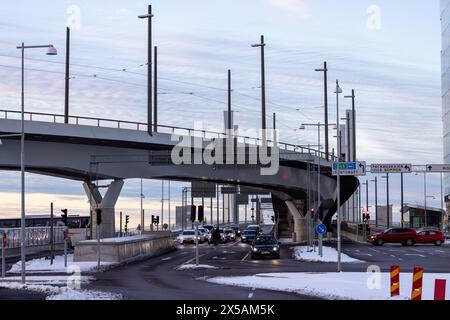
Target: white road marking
[[392, 256], [374, 250], [166, 259], [250, 295], [184, 253], [199, 256], [245, 257], [363, 254], [400, 259], [440, 251], [415, 254]]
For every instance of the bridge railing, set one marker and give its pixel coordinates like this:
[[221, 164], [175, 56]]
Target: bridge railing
[[139, 126], [34, 236]]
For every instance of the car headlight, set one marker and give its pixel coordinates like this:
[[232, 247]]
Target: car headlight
[[255, 249], [244, 237], [275, 248]]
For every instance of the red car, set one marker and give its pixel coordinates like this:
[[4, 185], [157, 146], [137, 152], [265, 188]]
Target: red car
[[430, 236], [405, 236]]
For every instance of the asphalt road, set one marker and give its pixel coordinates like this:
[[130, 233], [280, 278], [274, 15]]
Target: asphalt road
[[158, 278]]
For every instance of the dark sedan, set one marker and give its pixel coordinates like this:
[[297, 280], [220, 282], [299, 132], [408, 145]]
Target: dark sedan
[[265, 246], [248, 236]]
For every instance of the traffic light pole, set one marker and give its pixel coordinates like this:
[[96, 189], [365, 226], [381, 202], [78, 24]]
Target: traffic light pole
[[52, 254]]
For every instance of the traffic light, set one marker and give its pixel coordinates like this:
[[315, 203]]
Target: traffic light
[[157, 220], [98, 213], [200, 213], [273, 218], [193, 209], [64, 216], [153, 219], [127, 220]]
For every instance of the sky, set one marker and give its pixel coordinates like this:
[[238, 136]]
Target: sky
[[388, 51]]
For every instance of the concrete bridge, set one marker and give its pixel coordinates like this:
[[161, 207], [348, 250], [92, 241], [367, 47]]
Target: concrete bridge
[[88, 149]]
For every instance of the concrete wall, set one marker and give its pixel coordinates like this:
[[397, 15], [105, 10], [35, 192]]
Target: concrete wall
[[123, 249]]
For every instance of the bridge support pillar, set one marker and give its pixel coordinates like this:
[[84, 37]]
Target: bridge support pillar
[[300, 229], [107, 204]]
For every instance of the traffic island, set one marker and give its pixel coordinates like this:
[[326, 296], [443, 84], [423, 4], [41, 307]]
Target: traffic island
[[124, 249]]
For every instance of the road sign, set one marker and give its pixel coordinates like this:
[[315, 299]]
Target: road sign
[[390, 168], [438, 167], [321, 229], [349, 168]]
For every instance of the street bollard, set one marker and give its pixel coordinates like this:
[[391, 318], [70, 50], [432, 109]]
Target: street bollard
[[395, 281], [439, 289], [416, 293]]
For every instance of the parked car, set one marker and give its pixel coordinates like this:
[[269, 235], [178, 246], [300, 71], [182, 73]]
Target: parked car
[[430, 236], [187, 236], [248, 236], [230, 234], [265, 246], [405, 236]]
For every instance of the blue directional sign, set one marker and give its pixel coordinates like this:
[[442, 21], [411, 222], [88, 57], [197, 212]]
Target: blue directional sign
[[349, 168], [321, 229]]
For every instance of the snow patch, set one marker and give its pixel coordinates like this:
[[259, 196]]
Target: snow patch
[[329, 255], [43, 265], [342, 286], [195, 267]]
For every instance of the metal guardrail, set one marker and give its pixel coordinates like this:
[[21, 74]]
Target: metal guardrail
[[34, 236], [139, 126]]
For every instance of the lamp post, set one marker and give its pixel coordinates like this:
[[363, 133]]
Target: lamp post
[[263, 87], [338, 91], [51, 51], [425, 197], [325, 97], [149, 16]]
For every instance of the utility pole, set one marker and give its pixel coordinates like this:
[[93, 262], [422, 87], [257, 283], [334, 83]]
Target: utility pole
[[325, 96], [376, 201], [353, 124], [67, 77], [425, 196], [142, 210], [149, 16]]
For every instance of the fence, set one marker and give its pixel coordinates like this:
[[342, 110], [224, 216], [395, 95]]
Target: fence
[[35, 236]]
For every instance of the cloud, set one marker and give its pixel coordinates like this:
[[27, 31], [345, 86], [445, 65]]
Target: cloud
[[298, 7]]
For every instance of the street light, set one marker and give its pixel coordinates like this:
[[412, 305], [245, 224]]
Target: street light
[[149, 16], [51, 51], [325, 97], [263, 87]]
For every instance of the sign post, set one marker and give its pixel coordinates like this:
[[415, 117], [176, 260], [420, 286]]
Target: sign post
[[65, 247], [321, 229]]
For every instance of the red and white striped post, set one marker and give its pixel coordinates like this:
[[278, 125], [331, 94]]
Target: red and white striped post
[[416, 292], [395, 280]]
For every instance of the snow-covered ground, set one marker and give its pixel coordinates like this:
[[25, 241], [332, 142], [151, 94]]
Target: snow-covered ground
[[329, 255], [43, 266], [195, 267], [46, 278], [62, 293], [344, 285]]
